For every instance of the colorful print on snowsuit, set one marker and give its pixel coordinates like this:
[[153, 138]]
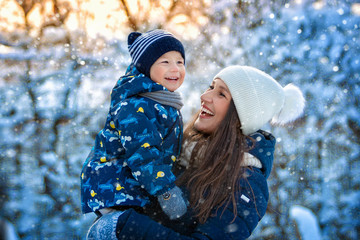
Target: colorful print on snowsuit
[[135, 151]]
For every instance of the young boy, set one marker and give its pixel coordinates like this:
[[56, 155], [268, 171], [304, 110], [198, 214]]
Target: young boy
[[131, 161]]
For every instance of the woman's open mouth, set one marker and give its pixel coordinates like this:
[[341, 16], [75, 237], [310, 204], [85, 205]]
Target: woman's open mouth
[[205, 112]]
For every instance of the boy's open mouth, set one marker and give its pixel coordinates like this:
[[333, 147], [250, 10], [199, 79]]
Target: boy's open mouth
[[172, 78]]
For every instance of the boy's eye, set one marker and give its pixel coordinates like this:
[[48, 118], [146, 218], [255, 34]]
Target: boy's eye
[[211, 87], [180, 62], [165, 61]]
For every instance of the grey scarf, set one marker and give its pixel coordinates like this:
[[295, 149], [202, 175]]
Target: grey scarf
[[172, 99]]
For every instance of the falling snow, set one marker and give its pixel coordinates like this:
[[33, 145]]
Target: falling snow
[[51, 113]]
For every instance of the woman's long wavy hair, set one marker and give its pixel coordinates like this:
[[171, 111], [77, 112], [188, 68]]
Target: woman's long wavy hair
[[215, 166]]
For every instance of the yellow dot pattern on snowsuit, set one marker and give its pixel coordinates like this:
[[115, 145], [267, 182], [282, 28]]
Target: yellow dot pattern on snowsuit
[[112, 124], [173, 158], [160, 174], [93, 193], [145, 145], [119, 187], [140, 110], [103, 159]]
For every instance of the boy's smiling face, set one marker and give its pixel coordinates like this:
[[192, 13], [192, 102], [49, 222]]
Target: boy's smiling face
[[169, 70]]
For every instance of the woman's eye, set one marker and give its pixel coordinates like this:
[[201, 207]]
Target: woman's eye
[[180, 62]]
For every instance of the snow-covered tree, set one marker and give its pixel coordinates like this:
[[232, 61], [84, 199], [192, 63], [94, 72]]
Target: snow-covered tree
[[318, 50], [47, 114], [54, 93], [314, 45]]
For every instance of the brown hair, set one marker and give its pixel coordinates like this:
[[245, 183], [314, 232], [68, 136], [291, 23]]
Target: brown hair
[[215, 166]]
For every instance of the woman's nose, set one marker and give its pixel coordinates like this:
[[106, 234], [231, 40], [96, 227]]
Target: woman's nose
[[206, 97]]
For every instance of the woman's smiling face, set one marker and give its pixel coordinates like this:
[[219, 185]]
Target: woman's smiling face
[[215, 102]]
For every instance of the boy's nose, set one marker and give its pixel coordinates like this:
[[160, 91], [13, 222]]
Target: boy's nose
[[174, 67]]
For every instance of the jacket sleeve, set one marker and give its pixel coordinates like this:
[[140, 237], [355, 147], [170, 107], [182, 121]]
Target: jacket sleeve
[[133, 225], [264, 150], [251, 207], [221, 226], [145, 156]]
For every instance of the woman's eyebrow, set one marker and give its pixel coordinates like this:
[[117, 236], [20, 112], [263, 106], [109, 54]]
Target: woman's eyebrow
[[225, 89], [220, 86]]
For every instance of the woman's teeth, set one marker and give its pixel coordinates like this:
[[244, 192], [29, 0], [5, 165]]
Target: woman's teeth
[[204, 110]]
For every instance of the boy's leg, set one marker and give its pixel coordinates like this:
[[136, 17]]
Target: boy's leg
[[104, 227]]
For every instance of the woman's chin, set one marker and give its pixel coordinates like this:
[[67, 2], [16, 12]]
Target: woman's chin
[[202, 127]]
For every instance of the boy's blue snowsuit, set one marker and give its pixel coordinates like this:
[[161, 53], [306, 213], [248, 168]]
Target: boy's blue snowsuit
[[135, 151], [251, 207]]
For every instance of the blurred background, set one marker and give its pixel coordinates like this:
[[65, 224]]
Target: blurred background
[[59, 60]]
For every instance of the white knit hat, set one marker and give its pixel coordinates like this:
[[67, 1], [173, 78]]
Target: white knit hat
[[258, 98]]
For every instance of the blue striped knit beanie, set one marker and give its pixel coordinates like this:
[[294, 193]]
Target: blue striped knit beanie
[[146, 48]]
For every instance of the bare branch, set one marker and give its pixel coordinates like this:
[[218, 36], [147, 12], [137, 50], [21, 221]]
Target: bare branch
[[131, 19]]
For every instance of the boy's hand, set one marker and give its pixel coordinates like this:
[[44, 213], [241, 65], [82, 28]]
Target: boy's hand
[[173, 203]]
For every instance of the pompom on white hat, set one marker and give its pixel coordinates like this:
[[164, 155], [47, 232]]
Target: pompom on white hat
[[259, 98]]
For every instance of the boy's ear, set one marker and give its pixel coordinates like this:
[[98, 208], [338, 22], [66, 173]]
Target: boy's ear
[[132, 37]]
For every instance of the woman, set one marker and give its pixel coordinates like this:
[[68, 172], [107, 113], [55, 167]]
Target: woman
[[225, 162]]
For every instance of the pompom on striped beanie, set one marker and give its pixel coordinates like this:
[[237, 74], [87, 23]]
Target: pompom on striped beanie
[[259, 98], [146, 48]]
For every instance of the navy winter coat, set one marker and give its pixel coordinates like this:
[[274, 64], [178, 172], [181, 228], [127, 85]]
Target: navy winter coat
[[251, 207], [134, 153]]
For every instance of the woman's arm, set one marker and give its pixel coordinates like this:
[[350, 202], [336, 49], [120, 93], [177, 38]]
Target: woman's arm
[[133, 225], [251, 208]]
